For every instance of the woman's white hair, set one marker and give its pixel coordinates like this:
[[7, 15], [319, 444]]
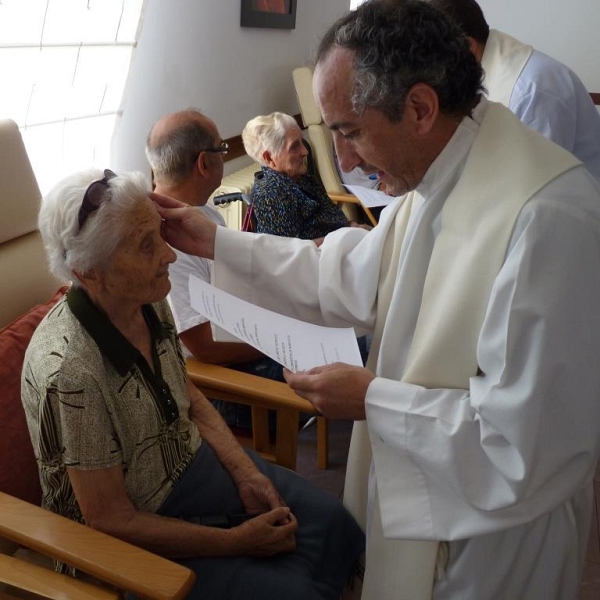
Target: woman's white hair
[[266, 132], [69, 249]]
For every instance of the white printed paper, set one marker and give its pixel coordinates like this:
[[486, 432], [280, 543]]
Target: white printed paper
[[370, 198], [296, 345]]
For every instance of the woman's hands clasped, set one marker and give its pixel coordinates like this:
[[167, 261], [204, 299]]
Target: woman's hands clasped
[[273, 529], [267, 534]]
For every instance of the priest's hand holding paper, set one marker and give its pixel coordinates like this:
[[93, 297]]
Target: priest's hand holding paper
[[322, 364], [184, 227], [337, 390]]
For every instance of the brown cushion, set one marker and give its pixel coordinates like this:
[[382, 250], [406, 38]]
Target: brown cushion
[[18, 469]]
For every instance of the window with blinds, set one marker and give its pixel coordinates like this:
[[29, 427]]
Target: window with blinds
[[63, 68]]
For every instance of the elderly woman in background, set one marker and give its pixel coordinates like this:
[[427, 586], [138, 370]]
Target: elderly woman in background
[[127, 445], [287, 201]]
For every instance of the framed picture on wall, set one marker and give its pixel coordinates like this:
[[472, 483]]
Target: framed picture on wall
[[278, 14]]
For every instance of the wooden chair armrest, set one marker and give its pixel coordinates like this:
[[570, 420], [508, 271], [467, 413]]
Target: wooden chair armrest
[[351, 199], [343, 197], [222, 383], [41, 581], [106, 558]]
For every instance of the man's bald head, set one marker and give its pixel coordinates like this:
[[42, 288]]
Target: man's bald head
[[175, 141]]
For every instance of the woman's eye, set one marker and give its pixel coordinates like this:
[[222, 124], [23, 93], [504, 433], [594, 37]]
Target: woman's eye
[[147, 246]]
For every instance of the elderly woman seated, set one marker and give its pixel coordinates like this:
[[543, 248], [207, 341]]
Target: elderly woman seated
[[127, 445], [287, 201]]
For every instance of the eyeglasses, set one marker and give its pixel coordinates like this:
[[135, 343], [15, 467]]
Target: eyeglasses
[[94, 196], [222, 149]]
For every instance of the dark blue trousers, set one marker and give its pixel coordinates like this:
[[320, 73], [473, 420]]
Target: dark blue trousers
[[328, 539]]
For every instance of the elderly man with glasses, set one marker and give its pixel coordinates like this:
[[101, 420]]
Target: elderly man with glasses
[[185, 151]]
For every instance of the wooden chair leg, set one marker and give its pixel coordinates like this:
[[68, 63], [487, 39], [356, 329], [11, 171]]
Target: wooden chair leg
[[286, 444], [322, 442], [285, 452], [260, 430]]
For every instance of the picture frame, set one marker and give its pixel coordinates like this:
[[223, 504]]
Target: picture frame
[[276, 14]]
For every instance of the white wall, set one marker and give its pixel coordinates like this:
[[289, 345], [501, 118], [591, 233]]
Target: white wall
[[194, 53], [567, 31]]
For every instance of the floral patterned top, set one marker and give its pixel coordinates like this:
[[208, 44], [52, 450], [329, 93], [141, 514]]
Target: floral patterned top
[[294, 208]]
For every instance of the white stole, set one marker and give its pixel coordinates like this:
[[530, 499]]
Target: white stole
[[477, 223], [503, 59]]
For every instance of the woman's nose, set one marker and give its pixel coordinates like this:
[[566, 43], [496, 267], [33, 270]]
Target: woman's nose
[[169, 255]]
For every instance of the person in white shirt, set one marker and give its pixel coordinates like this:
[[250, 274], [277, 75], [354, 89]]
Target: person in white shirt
[[541, 91], [477, 417], [185, 151]]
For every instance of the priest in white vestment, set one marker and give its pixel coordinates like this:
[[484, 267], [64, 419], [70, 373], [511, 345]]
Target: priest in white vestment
[[480, 406]]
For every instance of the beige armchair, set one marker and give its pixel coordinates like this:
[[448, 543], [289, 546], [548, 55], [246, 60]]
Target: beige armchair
[[29, 535], [321, 142]]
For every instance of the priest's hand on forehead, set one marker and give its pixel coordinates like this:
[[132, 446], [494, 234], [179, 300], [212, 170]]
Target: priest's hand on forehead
[[184, 227]]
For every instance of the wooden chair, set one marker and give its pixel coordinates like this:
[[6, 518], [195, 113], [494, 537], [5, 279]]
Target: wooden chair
[[27, 531], [321, 143], [221, 383]]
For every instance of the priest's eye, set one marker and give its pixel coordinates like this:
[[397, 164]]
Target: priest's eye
[[351, 135]]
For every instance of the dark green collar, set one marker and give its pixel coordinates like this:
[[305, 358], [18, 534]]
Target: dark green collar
[[112, 343]]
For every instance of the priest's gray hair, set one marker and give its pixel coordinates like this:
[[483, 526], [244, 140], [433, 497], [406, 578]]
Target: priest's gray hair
[[267, 132], [68, 249], [399, 43]]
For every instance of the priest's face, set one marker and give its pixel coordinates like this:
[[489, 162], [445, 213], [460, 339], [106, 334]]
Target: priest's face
[[389, 149]]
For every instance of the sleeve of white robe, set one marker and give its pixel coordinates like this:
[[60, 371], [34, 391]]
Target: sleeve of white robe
[[452, 464], [288, 275], [456, 463]]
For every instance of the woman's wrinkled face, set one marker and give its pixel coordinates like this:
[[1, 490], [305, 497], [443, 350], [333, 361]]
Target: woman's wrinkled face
[[291, 159], [138, 270]]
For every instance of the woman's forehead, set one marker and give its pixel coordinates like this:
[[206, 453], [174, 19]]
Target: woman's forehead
[[143, 213], [293, 133]]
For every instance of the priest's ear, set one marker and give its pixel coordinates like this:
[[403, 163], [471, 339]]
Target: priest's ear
[[422, 107]]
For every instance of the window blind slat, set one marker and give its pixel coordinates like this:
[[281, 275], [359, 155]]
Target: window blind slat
[[65, 65]]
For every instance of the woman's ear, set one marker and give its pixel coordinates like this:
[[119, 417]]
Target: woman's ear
[[88, 279], [268, 159]]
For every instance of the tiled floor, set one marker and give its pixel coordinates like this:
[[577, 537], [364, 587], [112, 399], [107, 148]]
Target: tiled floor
[[332, 481]]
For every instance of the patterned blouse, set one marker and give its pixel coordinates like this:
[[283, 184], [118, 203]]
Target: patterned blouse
[[294, 208], [92, 402]]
